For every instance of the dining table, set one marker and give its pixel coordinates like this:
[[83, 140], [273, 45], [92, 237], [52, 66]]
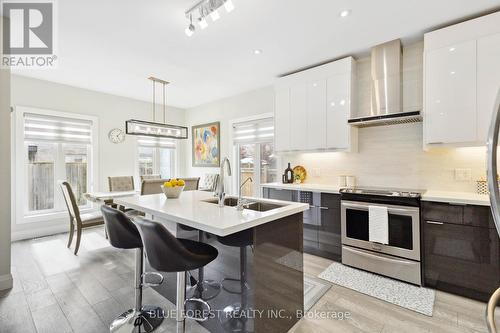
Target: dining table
[[102, 198]]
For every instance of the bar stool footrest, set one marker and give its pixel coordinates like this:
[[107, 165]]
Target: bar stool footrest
[[146, 320]]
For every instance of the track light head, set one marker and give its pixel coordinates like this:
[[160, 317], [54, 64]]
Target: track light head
[[202, 22], [215, 15], [229, 6], [191, 28]]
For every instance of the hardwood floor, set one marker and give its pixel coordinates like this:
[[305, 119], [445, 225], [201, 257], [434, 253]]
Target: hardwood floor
[[55, 291], [367, 314]]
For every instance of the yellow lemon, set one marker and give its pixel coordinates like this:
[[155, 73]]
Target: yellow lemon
[[168, 184], [174, 182], [181, 182]]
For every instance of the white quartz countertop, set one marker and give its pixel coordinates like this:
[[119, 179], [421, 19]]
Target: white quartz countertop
[[304, 187], [466, 198], [191, 210]]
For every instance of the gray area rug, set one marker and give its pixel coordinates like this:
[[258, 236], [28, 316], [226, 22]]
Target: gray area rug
[[406, 295]]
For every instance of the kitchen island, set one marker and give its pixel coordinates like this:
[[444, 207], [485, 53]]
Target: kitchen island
[[272, 298]]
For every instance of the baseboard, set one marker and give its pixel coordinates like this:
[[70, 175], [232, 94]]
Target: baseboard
[[39, 232], [6, 281]]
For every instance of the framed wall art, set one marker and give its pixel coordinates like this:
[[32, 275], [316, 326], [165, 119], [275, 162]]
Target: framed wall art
[[206, 145]]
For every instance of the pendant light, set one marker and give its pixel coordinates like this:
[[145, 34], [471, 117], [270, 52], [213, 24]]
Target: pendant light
[[154, 128]]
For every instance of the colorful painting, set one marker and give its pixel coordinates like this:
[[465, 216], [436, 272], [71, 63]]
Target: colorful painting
[[206, 149]]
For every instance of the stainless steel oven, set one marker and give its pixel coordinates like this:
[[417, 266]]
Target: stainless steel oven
[[400, 258]]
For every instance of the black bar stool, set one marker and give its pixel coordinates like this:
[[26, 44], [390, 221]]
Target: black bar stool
[[123, 234], [167, 253], [201, 288], [240, 239], [233, 320]]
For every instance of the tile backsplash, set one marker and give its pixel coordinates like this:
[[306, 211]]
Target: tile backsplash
[[393, 156]]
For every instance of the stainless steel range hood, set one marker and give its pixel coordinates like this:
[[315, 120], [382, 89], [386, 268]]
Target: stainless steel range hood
[[386, 91]]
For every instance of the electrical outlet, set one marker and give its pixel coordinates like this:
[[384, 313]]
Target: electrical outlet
[[316, 172], [463, 175]]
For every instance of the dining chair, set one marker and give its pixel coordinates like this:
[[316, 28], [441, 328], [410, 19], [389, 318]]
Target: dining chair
[[117, 184], [152, 186], [191, 184], [209, 182], [76, 220], [147, 177]]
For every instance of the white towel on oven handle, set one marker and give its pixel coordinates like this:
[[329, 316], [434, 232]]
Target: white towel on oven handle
[[378, 224]]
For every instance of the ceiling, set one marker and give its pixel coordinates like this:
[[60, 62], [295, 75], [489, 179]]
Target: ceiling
[[113, 46]]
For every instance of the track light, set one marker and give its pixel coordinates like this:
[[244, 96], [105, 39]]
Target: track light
[[204, 8], [215, 15], [229, 6]]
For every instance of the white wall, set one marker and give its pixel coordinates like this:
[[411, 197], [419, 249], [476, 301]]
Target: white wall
[[5, 197], [112, 111], [388, 155], [255, 102]]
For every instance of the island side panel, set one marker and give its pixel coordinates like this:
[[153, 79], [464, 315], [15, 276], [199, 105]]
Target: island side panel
[[278, 273]]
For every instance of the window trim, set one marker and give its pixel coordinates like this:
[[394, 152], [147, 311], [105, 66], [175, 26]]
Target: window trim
[[19, 166], [235, 150], [156, 165]]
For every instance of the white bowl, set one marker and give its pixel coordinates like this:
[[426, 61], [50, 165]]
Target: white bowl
[[172, 192]]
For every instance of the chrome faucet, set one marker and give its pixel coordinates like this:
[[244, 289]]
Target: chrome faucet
[[220, 193], [241, 201]]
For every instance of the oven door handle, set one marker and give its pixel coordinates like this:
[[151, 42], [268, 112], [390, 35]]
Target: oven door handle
[[390, 209], [379, 257]]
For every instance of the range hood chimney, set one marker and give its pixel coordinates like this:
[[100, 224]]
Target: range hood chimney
[[386, 89]]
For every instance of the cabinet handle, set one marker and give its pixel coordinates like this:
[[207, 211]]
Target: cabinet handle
[[321, 207], [434, 222]]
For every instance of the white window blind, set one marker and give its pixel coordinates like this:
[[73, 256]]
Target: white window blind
[[261, 130], [147, 141], [39, 127]]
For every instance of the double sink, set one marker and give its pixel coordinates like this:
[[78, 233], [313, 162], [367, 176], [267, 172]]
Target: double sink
[[257, 206]]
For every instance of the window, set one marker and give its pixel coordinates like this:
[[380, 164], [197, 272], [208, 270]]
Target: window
[[41, 175], [156, 157], [54, 149], [255, 151]]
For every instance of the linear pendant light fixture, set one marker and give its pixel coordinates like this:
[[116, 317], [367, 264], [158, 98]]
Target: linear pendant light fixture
[[153, 128], [204, 9]]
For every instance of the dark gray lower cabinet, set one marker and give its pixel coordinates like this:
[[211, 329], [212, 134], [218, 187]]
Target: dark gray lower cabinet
[[321, 221], [329, 236], [461, 251]]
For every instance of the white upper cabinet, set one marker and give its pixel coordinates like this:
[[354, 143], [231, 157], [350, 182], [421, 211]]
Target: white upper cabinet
[[462, 78], [488, 81], [282, 117], [298, 118], [450, 90], [316, 114], [338, 110], [312, 108]]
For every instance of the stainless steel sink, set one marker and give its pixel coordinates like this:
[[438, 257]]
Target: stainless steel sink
[[261, 206], [257, 206]]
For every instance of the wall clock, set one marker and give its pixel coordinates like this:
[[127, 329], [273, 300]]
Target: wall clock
[[116, 135]]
